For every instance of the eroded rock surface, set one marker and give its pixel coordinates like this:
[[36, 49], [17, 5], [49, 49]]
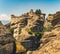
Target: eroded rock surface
[[7, 44], [52, 21], [50, 43]]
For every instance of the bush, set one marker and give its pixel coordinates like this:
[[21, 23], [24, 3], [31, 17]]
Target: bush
[[38, 33], [30, 31], [12, 30]]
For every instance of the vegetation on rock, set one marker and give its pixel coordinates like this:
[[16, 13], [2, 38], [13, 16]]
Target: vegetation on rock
[[46, 29], [29, 31], [38, 11], [12, 30]]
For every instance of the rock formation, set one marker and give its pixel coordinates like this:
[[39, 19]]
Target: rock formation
[[7, 42], [25, 25], [53, 21], [8, 25], [27, 28], [50, 41]]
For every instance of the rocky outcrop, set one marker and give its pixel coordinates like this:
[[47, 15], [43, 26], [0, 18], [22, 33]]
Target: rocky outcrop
[[3, 29], [7, 44], [53, 21], [8, 25], [32, 42], [25, 25], [50, 41], [34, 24]]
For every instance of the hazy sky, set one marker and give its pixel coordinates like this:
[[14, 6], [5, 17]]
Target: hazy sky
[[17, 7]]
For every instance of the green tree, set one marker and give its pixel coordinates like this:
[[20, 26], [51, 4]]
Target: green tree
[[38, 11]]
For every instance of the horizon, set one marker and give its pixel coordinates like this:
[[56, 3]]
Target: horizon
[[18, 7]]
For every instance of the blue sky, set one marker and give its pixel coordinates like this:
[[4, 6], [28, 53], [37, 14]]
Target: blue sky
[[17, 7]]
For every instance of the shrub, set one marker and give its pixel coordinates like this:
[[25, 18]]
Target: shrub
[[29, 31], [12, 30], [38, 35]]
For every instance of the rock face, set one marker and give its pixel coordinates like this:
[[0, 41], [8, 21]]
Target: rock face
[[24, 28], [31, 43], [50, 41], [53, 21], [7, 45], [25, 25], [3, 29], [8, 25]]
